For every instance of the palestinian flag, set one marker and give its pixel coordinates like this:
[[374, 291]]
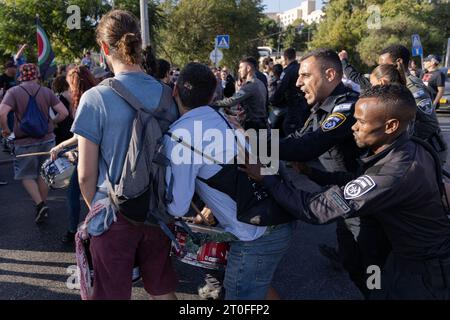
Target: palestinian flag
[[46, 57]]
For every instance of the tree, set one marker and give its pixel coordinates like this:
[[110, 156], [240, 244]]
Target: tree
[[192, 26], [17, 25], [348, 25]]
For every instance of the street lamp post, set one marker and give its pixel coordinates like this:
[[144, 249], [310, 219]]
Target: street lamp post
[[144, 23]]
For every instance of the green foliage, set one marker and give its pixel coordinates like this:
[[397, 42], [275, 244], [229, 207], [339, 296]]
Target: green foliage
[[192, 26], [17, 25], [346, 27]]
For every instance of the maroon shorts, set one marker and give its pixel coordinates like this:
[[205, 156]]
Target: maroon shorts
[[115, 252]]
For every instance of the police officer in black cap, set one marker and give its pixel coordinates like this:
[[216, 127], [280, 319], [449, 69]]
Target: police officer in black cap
[[399, 185], [288, 95]]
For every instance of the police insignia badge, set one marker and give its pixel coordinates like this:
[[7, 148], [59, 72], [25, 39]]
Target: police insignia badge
[[359, 187], [333, 121], [426, 106]]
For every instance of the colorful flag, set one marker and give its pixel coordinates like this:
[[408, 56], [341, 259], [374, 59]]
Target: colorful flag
[[46, 57]]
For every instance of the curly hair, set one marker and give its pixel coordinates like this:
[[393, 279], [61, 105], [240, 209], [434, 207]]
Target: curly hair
[[80, 80]]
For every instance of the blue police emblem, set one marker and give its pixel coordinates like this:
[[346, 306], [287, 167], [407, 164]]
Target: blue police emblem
[[359, 187], [426, 106], [333, 121]]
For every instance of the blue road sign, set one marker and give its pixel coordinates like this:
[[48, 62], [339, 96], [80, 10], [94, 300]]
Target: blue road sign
[[223, 42], [417, 49]]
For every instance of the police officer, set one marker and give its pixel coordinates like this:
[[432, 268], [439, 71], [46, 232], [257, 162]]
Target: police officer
[[426, 124], [252, 96], [399, 185], [288, 95], [327, 136]]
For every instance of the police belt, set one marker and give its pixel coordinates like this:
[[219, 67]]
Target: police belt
[[437, 271]]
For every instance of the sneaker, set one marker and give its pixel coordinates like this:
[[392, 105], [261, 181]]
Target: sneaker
[[69, 237], [332, 255], [41, 213], [3, 183]]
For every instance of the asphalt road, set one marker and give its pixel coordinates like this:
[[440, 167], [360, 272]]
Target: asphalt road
[[35, 264]]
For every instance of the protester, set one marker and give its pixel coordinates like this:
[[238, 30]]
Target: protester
[[257, 251], [251, 96], [163, 72], [87, 60], [80, 80], [434, 79], [19, 99], [103, 124], [228, 83]]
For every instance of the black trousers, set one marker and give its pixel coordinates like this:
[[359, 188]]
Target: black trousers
[[362, 243], [404, 279]]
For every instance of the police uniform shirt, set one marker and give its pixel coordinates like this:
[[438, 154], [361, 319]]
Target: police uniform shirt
[[327, 134]]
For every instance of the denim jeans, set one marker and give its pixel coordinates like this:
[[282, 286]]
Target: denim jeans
[[73, 202], [251, 265]]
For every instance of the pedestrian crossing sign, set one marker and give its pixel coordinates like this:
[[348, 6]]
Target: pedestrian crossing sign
[[223, 42]]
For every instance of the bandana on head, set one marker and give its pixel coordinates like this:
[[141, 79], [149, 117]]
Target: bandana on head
[[28, 72]]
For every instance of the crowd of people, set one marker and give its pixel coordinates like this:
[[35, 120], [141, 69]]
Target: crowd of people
[[376, 156]]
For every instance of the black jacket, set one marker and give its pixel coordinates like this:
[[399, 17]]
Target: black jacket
[[398, 187], [327, 134], [289, 95], [252, 97]]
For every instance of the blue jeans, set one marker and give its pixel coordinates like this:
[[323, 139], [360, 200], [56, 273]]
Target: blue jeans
[[251, 265], [73, 202]]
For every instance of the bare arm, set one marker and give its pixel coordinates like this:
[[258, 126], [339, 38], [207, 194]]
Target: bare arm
[[61, 109], [87, 168], [20, 52], [4, 110], [439, 95]]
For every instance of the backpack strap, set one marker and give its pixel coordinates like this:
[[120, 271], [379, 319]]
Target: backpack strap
[[124, 93], [35, 95]]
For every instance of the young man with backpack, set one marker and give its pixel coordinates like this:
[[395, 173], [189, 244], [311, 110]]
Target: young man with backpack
[[33, 130], [256, 250], [106, 125]]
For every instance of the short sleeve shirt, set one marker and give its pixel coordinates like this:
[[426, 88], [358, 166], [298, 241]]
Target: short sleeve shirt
[[17, 98]]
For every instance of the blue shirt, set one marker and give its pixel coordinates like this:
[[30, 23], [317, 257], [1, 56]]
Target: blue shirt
[[184, 175], [106, 120]]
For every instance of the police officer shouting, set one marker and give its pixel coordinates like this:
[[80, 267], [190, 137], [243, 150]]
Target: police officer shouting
[[327, 136], [252, 96], [426, 124], [288, 95], [399, 186]]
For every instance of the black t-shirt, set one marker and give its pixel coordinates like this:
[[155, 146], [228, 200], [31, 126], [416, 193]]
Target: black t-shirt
[[433, 80], [7, 82]]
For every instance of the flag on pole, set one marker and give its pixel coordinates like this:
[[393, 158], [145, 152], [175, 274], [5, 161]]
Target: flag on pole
[[46, 57]]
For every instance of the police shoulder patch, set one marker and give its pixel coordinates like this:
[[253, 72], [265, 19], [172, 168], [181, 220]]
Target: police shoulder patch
[[344, 107], [425, 106], [333, 121], [359, 187]]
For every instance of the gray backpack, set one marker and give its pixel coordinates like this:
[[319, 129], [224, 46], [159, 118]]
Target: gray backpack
[[140, 193]]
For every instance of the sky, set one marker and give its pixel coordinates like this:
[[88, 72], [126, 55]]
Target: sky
[[283, 5]]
